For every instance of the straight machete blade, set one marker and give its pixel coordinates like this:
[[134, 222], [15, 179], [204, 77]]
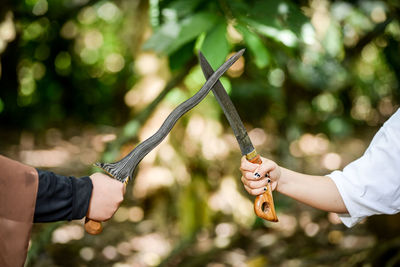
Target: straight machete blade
[[246, 147]]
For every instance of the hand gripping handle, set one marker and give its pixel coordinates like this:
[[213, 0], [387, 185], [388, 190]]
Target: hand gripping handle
[[94, 227], [263, 204]]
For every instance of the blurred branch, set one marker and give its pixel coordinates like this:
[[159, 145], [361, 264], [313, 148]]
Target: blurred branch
[[379, 29]]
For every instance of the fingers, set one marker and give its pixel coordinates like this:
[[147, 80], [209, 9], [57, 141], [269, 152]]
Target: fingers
[[254, 192], [107, 195], [255, 187], [255, 177], [246, 165]]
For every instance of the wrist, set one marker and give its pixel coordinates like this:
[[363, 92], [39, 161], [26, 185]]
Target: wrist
[[282, 180]]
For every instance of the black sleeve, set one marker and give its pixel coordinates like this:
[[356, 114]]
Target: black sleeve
[[61, 198]]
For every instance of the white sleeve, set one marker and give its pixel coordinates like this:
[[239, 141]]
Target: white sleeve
[[371, 184]]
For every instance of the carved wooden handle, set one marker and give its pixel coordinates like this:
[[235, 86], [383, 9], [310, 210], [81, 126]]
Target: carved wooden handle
[[93, 227], [264, 204]]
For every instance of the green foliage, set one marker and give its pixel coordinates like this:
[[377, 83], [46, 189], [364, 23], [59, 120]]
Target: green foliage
[[328, 70]]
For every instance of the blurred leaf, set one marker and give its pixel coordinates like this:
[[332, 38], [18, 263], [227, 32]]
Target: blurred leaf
[[192, 27], [333, 40], [215, 46], [286, 37], [181, 8], [181, 56], [163, 38], [256, 47], [173, 35], [279, 20]]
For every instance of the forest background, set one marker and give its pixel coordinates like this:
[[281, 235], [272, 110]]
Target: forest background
[[86, 80]]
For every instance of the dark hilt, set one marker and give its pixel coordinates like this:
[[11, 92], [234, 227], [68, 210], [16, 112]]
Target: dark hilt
[[263, 204]]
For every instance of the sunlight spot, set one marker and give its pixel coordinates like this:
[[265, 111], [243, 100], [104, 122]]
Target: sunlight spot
[[308, 34], [325, 102], [287, 37], [311, 229], [221, 242], [45, 158], [147, 63], [124, 248], [144, 91], [93, 39], [361, 108], [233, 34], [67, 233], [267, 240], [151, 259], [109, 12], [332, 161], [313, 145], [378, 15], [87, 253], [258, 136], [87, 15], [229, 201], [110, 252], [151, 243], [335, 237], [385, 106], [40, 8], [276, 77], [136, 214], [114, 62], [225, 229], [287, 224], [369, 53], [69, 30], [149, 179], [121, 215], [89, 56], [283, 8], [7, 29]]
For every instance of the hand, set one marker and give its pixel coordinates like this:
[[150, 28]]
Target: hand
[[107, 195], [255, 177]]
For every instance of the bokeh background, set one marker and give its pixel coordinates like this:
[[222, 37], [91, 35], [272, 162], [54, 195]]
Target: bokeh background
[[86, 80]]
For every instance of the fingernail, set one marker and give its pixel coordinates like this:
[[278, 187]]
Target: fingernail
[[267, 175], [257, 175], [269, 180], [265, 189]]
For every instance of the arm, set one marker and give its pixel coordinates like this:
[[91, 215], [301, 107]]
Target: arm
[[69, 198], [317, 191]]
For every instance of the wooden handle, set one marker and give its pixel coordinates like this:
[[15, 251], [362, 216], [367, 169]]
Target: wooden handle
[[263, 204], [93, 227]]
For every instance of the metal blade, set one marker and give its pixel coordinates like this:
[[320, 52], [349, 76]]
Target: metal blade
[[229, 109], [123, 169]]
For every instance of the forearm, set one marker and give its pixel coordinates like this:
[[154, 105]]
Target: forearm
[[317, 191], [61, 198]]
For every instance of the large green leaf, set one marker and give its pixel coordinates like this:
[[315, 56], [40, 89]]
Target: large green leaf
[[284, 36], [216, 46], [173, 35], [164, 37], [191, 28], [256, 46], [180, 8]]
